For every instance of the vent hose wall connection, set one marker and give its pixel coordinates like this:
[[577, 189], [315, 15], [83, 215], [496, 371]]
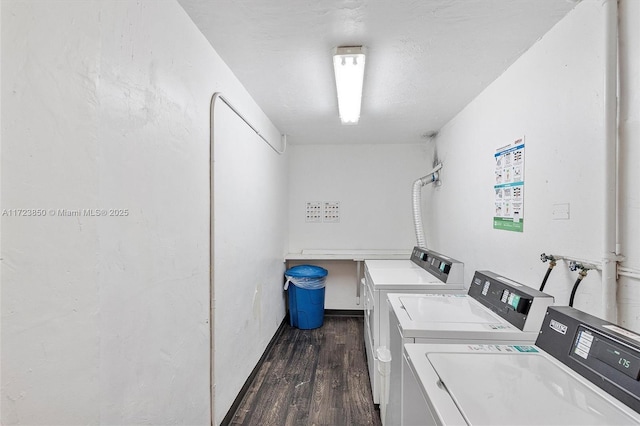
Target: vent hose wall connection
[[431, 177]]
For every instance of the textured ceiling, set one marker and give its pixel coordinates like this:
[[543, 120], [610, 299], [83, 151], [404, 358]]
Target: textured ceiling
[[427, 59]]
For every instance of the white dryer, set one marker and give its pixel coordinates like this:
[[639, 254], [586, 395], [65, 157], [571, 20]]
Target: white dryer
[[581, 371], [425, 272], [495, 310]]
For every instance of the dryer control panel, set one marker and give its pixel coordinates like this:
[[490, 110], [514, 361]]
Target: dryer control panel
[[522, 306], [604, 353], [446, 269]]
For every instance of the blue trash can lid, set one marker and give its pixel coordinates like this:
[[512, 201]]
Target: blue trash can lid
[[306, 271]]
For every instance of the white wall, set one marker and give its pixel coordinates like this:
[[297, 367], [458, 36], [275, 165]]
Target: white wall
[[106, 319], [50, 275], [250, 214], [373, 184], [553, 95]]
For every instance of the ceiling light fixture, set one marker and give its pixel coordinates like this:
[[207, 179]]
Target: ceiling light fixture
[[348, 64]]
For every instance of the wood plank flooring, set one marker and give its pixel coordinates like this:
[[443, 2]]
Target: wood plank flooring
[[313, 377]]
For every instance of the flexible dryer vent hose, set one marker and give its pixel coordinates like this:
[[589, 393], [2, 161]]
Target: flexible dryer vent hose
[[417, 203]]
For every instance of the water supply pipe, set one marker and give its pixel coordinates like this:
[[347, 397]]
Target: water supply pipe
[[610, 241], [573, 261], [431, 177], [629, 272], [218, 96]]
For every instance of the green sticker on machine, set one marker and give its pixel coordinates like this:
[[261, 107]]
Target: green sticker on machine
[[525, 349]]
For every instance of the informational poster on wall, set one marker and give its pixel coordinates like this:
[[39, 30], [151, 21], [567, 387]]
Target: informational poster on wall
[[509, 187]]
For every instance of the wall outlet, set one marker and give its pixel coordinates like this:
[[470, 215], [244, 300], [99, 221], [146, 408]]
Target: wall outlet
[[331, 212], [314, 212]]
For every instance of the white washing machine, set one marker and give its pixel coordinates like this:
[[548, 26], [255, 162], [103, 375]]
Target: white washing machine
[[495, 309], [581, 371], [426, 271]]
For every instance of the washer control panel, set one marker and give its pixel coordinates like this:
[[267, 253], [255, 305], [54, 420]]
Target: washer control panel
[[522, 306], [446, 269], [604, 353]]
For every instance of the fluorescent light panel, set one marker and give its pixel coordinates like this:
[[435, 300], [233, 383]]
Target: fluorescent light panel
[[348, 64]]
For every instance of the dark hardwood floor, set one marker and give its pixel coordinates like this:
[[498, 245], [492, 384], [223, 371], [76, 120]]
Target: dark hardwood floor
[[313, 377]]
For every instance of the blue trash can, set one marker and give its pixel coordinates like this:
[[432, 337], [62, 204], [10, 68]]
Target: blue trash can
[[305, 287]]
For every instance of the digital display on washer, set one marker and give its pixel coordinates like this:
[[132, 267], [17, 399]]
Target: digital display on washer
[[589, 345], [617, 358]]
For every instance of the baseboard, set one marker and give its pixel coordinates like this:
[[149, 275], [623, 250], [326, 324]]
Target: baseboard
[[245, 388], [344, 312]]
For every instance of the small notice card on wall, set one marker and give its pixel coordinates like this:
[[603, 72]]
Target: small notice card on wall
[[509, 187]]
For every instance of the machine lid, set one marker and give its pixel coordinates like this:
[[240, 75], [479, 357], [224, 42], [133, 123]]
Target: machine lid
[[523, 388], [390, 264], [456, 309], [408, 277]]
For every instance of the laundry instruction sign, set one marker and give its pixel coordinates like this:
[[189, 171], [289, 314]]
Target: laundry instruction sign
[[509, 187]]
